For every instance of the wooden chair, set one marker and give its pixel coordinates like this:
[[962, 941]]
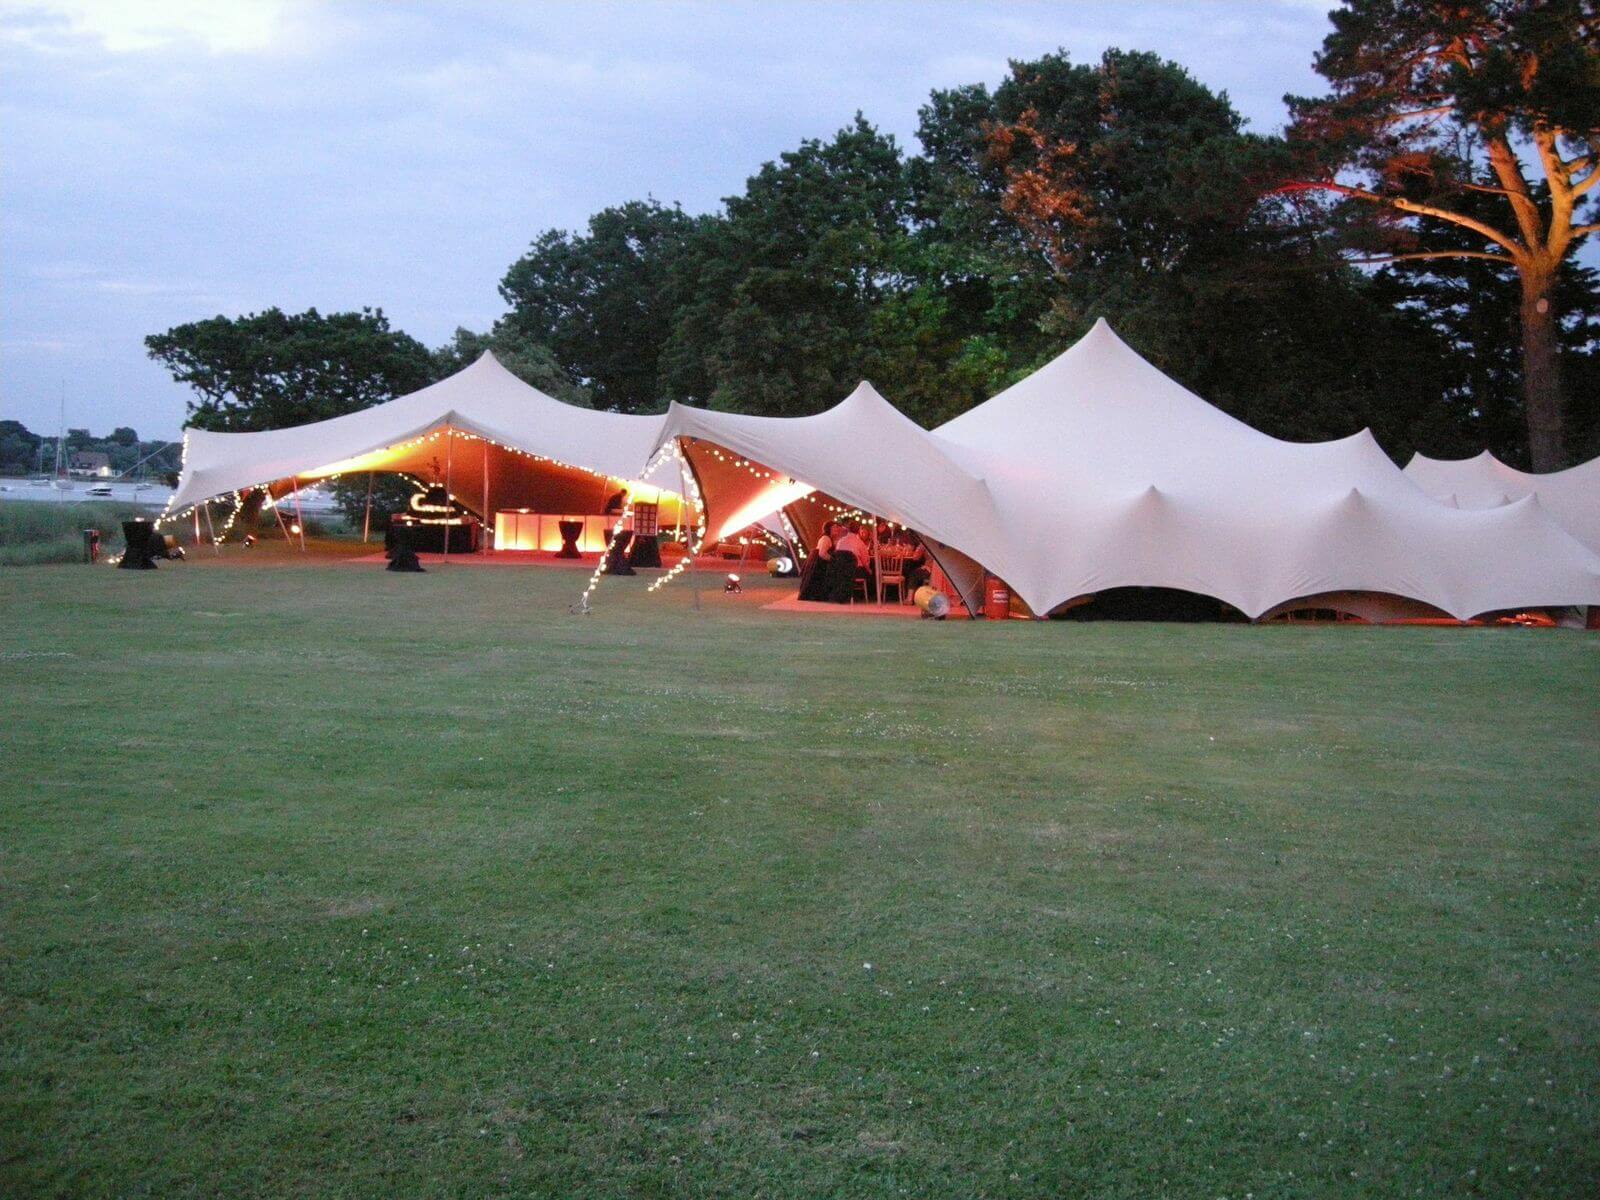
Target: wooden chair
[[892, 573], [860, 588]]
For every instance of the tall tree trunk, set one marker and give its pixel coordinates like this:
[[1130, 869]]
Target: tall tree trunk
[[1541, 371]]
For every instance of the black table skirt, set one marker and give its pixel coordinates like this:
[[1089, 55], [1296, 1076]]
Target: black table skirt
[[430, 539]]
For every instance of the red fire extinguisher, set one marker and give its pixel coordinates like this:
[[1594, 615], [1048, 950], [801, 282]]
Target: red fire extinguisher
[[996, 598]]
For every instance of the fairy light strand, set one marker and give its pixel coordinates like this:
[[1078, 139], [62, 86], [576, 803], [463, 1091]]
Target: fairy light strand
[[662, 455], [684, 563]]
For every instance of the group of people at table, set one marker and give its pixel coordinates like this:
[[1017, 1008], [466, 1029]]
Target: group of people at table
[[847, 556]]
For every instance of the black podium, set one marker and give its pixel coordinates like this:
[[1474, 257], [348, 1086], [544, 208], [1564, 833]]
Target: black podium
[[617, 555], [401, 547], [144, 546], [570, 532], [646, 551], [646, 542]]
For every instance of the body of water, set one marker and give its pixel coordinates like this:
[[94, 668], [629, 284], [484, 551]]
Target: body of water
[[153, 495]]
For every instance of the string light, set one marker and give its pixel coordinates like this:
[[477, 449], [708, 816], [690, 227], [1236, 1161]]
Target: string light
[[745, 464], [663, 454], [844, 512], [684, 563], [335, 471], [233, 518], [794, 536]]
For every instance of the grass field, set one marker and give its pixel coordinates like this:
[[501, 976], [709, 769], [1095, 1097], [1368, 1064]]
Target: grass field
[[322, 881], [34, 532]]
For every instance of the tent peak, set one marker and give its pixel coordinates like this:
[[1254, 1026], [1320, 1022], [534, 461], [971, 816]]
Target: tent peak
[[864, 392]]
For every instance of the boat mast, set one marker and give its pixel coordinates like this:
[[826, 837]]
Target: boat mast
[[61, 440]]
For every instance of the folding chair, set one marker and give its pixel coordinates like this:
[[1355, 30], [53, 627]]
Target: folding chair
[[891, 574]]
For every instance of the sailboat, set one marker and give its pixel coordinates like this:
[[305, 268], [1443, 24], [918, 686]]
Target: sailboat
[[61, 478]]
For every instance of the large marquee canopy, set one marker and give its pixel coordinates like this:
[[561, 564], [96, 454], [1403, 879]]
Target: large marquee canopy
[[1572, 496], [496, 441], [1098, 472]]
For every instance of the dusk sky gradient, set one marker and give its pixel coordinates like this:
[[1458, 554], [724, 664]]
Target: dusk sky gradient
[[169, 160]]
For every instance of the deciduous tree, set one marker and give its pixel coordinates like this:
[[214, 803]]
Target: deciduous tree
[[1435, 104], [605, 302], [528, 360], [786, 284], [272, 369]]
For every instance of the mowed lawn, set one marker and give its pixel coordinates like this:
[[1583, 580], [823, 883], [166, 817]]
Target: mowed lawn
[[321, 881]]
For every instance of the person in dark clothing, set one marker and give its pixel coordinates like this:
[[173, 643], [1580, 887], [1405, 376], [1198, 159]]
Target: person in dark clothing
[[915, 567], [615, 504], [849, 558], [816, 581]]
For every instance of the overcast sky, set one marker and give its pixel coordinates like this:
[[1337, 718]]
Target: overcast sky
[[166, 160]]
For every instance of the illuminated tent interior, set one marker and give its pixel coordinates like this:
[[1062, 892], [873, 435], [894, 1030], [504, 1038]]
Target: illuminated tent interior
[[747, 466], [1098, 472], [1572, 496], [496, 443]]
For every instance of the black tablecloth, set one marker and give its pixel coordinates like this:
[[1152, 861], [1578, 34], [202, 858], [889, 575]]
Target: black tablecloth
[[430, 538], [646, 551]]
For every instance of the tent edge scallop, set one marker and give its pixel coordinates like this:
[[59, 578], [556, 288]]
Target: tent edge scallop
[[1178, 463], [483, 400], [1571, 495]]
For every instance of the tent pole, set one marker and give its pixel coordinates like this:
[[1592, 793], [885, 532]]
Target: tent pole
[[877, 560], [196, 511], [449, 502], [277, 511], [483, 524], [683, 490], [298, 519], [366, 521], [212, 530]]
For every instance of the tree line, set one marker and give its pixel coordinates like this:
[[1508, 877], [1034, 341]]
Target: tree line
[[1402, 257], [22, 451]]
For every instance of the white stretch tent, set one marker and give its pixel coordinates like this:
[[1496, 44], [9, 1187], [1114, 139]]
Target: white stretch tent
[[869, 458], [1572, 496], [483, 427], [1098, 472]]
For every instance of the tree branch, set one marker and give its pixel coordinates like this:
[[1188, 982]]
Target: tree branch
[[1435, 111], [1419, 255], [1508, 169], [1488, 232], [1587, 182]]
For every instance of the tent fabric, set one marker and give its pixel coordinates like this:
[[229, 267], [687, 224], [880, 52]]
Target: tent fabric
[[1572, 496], [872, 457], [1098, 471], [586, 453]]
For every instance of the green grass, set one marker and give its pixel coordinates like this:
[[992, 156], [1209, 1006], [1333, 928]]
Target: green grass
[[325, 881], [33, 532], [36, 533]]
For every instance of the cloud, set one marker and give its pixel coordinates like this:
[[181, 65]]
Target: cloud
[[139, 26], [170, 159], [41, 345]]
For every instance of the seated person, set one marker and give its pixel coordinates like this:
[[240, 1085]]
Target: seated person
[[816, 579], [915, 568], [850, 548], [614, 505]]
